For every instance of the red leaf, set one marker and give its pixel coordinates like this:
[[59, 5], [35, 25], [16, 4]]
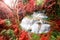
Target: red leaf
[[23, 36]]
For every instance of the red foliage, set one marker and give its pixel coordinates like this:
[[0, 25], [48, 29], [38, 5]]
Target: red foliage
[[16, 29], [23, 36], [49, 3], [2, 21], [4, 37], [30, 6], [58, 25], [58, 22], [1, 38], [45, 37]]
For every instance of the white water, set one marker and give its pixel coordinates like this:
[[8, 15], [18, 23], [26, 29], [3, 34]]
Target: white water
[[32, 23]]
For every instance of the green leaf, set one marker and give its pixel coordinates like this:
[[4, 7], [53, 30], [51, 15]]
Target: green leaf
[[14, 38], [51, 17], [10, 32], [52, 38], [39, 2], [35, 37], [59, 33], [3, 32], [54, 35], [58, 11], [25, 1], [8, 23]]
